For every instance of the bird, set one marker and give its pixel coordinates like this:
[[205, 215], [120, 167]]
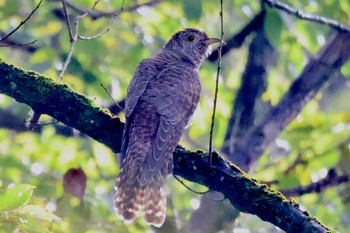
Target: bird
[[161, 99]]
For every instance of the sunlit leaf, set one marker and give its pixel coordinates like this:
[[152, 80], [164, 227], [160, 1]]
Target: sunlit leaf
[[273, 27], [16, 196], [345, 69], [192, 9], [38, 212]]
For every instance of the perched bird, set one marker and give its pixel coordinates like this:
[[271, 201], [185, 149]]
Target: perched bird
[[162, 97]]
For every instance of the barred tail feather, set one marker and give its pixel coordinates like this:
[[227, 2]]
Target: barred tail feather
[[128, 200], [154, 201], [150, 199]]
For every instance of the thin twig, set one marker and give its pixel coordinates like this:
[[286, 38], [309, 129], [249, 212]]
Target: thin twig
[[95, 14], [189, 188], [73, 39], [33, 119], [22, 22], [305, 16], [67, 20], [17, 45], [122, 7], [217, 82], [90, 10], [110, 96], [95, 36], [69, 57], [331, 179]]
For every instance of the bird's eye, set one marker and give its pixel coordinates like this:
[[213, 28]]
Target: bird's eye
[[190, 38]]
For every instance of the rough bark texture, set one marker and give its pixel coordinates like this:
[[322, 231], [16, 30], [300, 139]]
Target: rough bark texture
[[245, 193], [45, 96]]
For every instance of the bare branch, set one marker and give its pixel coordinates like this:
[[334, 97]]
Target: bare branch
[[32, 120], [261, 56], [332, 179], [75, 36], [22, 22], [237, 40], [95, 14], [67, 20], [305, 16], [316, 73], [5, 44], [95, 36], [118, 105]]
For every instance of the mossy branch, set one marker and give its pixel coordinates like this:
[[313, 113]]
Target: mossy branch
[[46, 96]]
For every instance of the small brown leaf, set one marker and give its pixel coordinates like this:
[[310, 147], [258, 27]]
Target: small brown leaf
[[74, 182]]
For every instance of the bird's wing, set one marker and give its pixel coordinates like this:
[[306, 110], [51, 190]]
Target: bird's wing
[[145, 71], [175, 94]]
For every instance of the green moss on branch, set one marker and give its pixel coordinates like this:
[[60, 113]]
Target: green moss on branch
[[46, 96]]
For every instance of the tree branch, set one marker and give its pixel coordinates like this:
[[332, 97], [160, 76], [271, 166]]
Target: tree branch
[[331, 179], [10, 121], [307, 17], [46, 96], [22, 22], [96, 14], [261, 55], [316, 73], [237, 40], [246, 194]]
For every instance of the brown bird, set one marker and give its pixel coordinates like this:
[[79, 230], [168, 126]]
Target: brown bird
[[162, 97]]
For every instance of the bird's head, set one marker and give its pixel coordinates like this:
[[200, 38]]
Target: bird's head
[[192, 44]]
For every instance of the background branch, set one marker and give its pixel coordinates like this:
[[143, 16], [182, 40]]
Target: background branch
[[316, 73], [237, 40], [96, 14], [332, 179], [22, 23], [261, 56], [308, 17]]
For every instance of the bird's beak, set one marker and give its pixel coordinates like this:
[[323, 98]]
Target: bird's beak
[[210, 41]]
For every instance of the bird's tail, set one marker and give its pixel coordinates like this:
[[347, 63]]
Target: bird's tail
[[132, 197]]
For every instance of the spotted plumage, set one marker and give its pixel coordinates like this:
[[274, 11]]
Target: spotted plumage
[[161, 98]]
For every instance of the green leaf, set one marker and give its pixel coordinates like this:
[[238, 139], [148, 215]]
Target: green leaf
[[273, 27], [39, 212], [16, 196], [192, 9], [345, 69]]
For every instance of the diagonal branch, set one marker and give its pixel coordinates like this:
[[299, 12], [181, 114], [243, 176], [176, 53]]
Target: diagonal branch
[[316, 73], [46, 96], [331, 179], [246, 194], [261, 55], [96, 14], [22, 22], [238, 39], [307, 17]]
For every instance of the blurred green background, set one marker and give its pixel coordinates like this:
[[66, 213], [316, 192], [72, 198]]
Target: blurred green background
[[33, 163]]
